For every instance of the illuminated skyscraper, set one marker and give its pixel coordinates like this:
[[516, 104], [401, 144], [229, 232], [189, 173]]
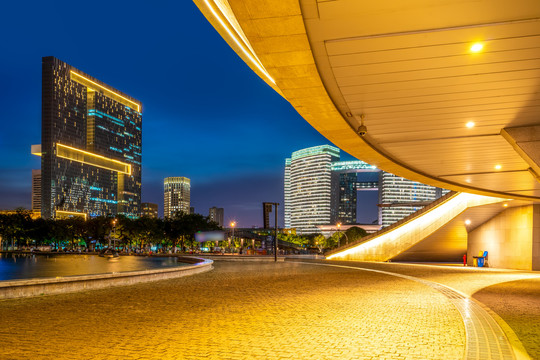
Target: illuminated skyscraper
[[401, 197], [216, 214], [176, 195], [308, 194], [91, 145]]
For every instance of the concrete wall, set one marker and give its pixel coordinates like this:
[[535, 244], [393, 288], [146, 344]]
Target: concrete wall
[[509, 238]]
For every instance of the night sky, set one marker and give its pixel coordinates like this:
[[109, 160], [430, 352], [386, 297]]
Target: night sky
[[206, 115]]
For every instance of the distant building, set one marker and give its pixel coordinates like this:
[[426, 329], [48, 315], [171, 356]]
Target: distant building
[[308, 190], [176, 196], [91, 145], [36, 191], [400, 197], [320, 190], [267, 209], [216, 214], [149, 210]]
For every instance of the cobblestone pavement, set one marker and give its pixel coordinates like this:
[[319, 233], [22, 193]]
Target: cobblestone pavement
[[513, 295], [517, 303], [250, 310]]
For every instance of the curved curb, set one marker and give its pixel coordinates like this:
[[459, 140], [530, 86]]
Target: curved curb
[[486, 334], [60, 285]]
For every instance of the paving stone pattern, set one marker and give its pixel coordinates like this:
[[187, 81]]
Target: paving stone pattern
[[518, 304], [240, 311]]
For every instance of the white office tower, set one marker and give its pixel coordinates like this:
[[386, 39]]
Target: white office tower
[[308, 189], [401, 197]]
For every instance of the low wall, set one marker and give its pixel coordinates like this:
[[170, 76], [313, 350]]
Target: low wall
[[60, 285], [512, 239]]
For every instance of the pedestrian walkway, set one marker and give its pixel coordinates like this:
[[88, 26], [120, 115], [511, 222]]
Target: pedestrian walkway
[[246, 310]]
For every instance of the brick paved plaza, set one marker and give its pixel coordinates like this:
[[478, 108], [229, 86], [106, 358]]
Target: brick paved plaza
[[264, 310]]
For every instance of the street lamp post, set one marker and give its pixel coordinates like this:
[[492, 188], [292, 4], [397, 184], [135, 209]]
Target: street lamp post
[[233, 224]]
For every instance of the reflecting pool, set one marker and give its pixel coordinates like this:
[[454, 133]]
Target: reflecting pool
[[30, 266]]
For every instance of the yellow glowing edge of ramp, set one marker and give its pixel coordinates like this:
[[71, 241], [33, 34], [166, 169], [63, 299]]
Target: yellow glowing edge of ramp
[[373, 248], [85, 157], [67, 213], [93, 85]]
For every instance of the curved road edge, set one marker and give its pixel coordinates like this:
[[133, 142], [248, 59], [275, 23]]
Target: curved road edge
[[60, 285]]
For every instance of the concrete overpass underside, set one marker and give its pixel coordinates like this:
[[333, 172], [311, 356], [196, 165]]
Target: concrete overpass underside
[[443, 93]]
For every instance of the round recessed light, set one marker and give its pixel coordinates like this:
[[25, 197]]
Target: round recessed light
[[498, 167], [505, 204], [477, 47], [470, 124], [467, 222]]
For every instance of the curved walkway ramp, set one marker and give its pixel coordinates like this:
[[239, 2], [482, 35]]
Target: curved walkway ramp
[[434, 233]]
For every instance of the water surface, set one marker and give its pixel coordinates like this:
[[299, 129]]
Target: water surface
[[30, 266]]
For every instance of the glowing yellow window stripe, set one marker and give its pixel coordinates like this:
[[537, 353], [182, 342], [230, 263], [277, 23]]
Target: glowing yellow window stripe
[[85, 157], [89, 83], [67, 213]]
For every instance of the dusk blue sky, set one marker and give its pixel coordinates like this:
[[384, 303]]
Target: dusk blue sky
[[206, 115]]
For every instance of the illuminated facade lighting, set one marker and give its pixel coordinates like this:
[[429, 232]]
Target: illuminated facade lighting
[[390, 243], [108, 92], [85, 157], [67, 214], [238, 36], [92, 145], [177, 193], [477, 47]]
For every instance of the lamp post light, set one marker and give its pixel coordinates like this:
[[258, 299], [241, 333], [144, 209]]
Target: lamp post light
[[233, 224], [114, 231], [338, 237]]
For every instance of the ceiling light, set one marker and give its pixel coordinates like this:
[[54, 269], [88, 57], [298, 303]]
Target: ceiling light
[[467, 222], [498, 167], [505, 204], [470, 124], [477, 47]]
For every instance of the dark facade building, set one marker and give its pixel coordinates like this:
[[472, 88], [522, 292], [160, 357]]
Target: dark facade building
[[149, 210], [216, 214], [91, 145], [36, 191]]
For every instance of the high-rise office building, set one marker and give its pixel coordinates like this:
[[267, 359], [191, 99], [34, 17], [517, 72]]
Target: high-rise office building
[[149, 210], [216, 215], [308, 194], [401, 197], [91, 145], [176, 196], [320, 190], [346, 182], [36, 191], [287, 194]]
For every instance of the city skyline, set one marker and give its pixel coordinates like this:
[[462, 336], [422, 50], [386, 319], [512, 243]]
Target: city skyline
[[211, 134]]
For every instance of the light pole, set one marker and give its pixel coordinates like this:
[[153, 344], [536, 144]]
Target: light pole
[[114, 231], [338, 229], [233, 224], [339, 234]]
